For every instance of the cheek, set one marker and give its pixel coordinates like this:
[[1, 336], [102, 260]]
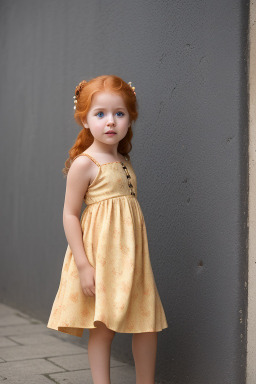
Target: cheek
[[125, 121], [97, 129], [98, 123]]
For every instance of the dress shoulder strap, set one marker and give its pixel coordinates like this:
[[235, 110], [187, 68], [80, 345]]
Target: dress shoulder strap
[[92, 158]]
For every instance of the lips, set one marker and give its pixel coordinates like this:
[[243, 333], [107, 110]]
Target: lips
[[110, 132]]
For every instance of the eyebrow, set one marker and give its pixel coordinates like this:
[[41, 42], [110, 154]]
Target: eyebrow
[[96, 108]]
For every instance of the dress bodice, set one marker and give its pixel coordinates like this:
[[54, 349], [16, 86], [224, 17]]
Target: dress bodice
[[113, 179]]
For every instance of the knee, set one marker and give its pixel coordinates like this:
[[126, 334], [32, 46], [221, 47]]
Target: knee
[[102, 330]]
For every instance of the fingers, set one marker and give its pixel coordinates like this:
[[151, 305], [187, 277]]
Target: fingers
[[90, 291]]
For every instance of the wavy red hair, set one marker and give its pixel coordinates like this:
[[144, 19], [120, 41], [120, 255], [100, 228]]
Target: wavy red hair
[[84, 93]]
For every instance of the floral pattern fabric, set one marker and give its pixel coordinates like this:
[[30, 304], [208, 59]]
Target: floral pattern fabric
[[115, 241]]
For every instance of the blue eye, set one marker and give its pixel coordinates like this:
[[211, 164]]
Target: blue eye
[[122, 114]]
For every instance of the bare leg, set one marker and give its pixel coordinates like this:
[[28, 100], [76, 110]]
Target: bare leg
[[144, 347], [99, 348]]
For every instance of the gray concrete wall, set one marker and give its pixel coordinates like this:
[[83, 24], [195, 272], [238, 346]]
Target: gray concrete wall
[[251, 322], [187, 61]]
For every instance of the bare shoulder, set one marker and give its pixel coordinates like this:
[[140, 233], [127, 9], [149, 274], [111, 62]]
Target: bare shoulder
[[81, 162], [80, 172], [81, 167]]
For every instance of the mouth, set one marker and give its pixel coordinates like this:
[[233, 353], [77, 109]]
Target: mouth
[[111, 133]]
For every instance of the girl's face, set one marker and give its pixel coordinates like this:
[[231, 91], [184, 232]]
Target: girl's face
[[108, 112]]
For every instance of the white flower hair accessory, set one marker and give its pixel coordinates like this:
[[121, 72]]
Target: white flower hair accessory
[[133, 88], [78, 90]]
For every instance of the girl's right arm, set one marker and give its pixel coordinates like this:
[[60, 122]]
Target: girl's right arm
[[77, 183]]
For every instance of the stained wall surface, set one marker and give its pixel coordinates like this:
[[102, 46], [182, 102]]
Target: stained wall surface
[[188, 62]]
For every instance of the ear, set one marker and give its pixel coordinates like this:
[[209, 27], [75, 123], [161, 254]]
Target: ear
[[85, 124]]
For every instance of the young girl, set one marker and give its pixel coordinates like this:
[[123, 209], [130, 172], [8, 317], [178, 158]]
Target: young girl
[[107, 284]]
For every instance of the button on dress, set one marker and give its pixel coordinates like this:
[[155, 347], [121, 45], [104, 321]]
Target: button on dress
[[115, 241]]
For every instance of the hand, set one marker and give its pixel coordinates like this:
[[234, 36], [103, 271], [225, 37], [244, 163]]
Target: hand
[[87, 280]]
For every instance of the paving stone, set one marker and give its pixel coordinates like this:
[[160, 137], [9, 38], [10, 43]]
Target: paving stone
[[79, 362], [123, 375], [72, 362], [75, 377], [32, 379], [5, 342], [13, 319], [39, 351], [34, 338], [27, 368], [22, 329], [6, 311]]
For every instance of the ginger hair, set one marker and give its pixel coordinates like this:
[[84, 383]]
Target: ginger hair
[[84, 93]]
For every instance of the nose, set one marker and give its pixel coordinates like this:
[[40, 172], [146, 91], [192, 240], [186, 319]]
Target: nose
[[110, 121]]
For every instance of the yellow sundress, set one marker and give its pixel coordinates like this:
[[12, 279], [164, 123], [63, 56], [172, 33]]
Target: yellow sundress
[[115, 241]]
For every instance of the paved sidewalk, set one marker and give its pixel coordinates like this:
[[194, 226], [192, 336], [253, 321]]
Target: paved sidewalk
[[31, 353]]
